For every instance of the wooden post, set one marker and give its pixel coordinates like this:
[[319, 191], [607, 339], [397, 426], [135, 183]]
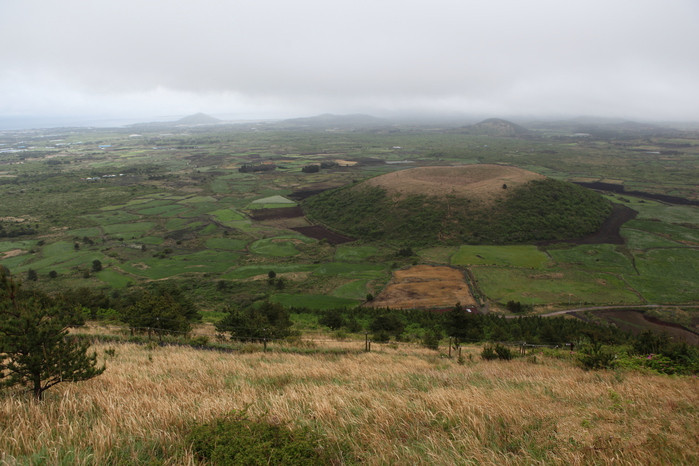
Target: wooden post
[[366, 342], [264, 344], [449, 347]]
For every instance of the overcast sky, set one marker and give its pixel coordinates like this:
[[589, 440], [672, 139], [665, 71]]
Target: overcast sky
[[636, 59]]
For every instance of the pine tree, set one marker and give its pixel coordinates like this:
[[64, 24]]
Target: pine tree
[[35, 348]]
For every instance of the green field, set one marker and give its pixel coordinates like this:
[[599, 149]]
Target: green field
[[346, 253], [597, 257], [667, 275], [512, 256], [274, 247], [552, 286], [313, 301]]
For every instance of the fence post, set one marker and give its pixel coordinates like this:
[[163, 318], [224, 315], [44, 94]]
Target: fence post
[[264, 344], [449, 347], [366, 341]]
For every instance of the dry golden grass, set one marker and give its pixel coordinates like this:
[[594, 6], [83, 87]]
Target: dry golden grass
[[402, 405]]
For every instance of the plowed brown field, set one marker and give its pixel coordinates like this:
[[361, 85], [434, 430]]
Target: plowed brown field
[[483, 182], [425, 287]]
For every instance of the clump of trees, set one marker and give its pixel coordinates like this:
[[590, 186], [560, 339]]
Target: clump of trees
[[266, 321], [250, 168], [310, 168], [162, 311], [35, 348], [519, 308]]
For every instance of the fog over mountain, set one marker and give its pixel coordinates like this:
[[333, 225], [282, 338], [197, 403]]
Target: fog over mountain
[[80, 59]]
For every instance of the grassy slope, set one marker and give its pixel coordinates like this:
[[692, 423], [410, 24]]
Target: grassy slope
[[391, 406]]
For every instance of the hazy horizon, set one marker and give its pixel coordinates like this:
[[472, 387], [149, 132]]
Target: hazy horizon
[[133, 61]]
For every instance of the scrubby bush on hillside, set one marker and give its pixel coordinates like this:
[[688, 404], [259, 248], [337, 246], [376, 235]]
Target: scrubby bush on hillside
[[596, 356], [239, 440], [387, 324], [496, 351], [265, 321]]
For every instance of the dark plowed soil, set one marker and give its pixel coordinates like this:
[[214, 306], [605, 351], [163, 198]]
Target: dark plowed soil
[[280, 212], [305, 193], [609, 231], [636, 322], [320, 232], [618, 188]]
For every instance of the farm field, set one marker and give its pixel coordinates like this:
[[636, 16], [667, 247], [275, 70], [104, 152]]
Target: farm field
[[174, 206], [424, 287]]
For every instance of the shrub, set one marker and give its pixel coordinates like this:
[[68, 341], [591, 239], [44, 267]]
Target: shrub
[[519, 308], [239, 440], [596, 356], [489, 353], [381, 336], [496, 351], [430, 339], [503, 352], [333, 319]]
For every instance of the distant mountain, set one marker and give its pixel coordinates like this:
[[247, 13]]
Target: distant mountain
[[197, 119], [331, 121], [496, 127], [606, 128]]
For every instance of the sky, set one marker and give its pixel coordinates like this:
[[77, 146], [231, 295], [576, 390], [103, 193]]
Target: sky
[[253, 59]]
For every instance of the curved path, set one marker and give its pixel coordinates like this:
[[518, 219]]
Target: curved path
[[606, 308]]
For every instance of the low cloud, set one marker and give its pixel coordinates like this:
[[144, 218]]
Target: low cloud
[[270, 57]]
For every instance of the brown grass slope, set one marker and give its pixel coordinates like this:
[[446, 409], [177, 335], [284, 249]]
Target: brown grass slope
[[391, 406], [482, 182]]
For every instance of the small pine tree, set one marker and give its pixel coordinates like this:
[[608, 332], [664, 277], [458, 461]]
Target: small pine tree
[[35, 348]]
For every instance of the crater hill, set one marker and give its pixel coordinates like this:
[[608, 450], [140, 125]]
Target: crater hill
[[473, 204]]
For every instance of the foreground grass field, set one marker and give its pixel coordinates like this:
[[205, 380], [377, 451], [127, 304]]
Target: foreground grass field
[[395, 405]]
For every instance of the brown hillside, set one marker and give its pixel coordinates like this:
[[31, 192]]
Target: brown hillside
[[483, 182]]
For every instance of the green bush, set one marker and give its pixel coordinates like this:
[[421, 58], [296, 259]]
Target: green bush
[[496, 351], [430, 339], [503, 352], [596, 356], [239, 440], [489, 353]]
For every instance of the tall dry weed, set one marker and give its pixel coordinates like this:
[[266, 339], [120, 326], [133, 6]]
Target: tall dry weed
[[389, 406]]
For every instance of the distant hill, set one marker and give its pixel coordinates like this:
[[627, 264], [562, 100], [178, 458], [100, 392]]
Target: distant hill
[[330, 121], [607, 128], [496, 127], [471, 204], [197, 119]]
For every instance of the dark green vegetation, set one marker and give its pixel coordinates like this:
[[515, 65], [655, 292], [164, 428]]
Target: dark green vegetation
[[35, 349], [537, 211], [239, 440], [173, 206]]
